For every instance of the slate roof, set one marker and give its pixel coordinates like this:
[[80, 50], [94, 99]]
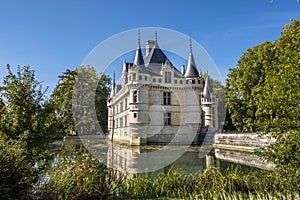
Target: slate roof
[[152, 63], [156, 55], [138, 59], [191, 69], [207, 90]]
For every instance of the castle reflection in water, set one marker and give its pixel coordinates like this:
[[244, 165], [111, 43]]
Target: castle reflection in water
[[131, 160]]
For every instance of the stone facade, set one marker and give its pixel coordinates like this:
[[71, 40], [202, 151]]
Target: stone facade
[[158, 104]]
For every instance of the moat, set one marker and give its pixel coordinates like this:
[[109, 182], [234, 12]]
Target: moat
[[132, 160]]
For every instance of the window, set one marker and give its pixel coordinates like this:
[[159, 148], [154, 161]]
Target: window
[[121, 106], [193, 81], [167, 118], [159, 80], [181, 82], [125, 121], [121, 122], [146, 78], [134, 76], [167, 98], [125, 104], [154, 80], [134, 115], [134, 97], [167, 77], [140, 77], [175, 81]]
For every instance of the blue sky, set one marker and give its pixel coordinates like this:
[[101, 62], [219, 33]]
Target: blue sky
[[54, 35]]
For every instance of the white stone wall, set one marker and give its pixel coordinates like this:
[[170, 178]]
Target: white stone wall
[[148, 125]]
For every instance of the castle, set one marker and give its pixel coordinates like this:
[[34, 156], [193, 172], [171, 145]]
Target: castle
[[158, 104]]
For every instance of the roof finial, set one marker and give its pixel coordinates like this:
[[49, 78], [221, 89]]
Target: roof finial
[[114, 81], [156, 36], [139, 38], [190, 42]]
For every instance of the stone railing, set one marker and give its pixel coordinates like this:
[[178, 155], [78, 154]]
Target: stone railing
[[244, 140]]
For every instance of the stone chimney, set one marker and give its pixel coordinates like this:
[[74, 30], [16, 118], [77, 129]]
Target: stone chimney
[[183, 69], [149, 46]]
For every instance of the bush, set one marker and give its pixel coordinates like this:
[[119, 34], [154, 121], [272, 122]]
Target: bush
[[80, 176], [17, 172]]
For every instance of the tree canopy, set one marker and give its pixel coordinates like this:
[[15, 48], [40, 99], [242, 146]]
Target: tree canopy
[[27, 127], [65, 91], [28, 116], [263, 93]]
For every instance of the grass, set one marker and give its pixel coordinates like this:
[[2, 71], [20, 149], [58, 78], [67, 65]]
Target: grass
[[81, 176]]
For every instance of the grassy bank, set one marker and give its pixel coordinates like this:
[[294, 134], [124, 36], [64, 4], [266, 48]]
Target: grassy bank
[[83, 177]]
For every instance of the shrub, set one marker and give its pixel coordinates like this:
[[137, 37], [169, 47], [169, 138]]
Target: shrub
[[17, 173], [81, 176]]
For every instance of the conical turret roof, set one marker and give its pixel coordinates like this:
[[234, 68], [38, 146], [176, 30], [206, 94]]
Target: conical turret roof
[[138, 59], [207, 90], [191, 69]]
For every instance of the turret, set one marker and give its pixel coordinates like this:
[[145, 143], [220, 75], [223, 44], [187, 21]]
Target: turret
[[191, 69], [209, 106], [138, 59], [125, 73], [207, 90]]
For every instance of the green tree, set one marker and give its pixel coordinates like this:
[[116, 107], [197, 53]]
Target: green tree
[[17, 173], [279, 104], [2, 107], [27, 126], [62, 96], [64, 93], [28, 116], [102, 93], [244, 83], [264, 92]]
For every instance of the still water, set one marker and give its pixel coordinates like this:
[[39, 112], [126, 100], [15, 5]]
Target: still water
[[145, 159]]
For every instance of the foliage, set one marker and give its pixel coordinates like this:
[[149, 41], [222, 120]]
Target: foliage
[[263, 92], [244, 83], [80, 176], [66, 90], [278, 109], [17, 173], [210, 184], [27, 126], [278, 104], [62, 96], [28, 117]]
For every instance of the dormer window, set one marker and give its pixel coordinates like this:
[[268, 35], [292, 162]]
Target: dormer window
[[167, 77]]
